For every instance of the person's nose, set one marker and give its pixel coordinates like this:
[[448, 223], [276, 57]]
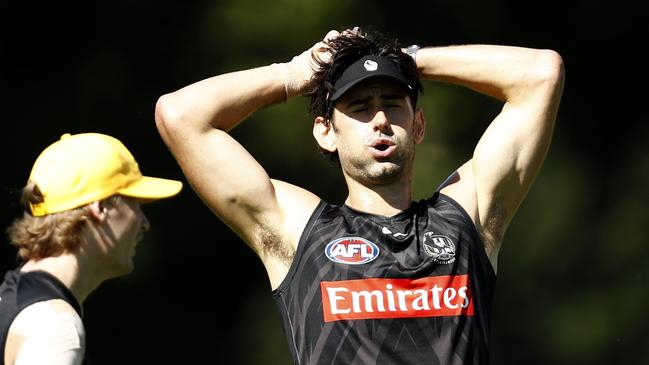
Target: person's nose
[[380, 121], [145, 223]]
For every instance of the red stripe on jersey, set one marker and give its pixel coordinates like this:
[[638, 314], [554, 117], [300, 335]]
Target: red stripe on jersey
[[396, 298]]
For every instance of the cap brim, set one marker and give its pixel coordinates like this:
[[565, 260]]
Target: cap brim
[[152, 188]]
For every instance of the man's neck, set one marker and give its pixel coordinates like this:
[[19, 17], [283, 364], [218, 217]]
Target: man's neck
[[385, 200], [67, 269]]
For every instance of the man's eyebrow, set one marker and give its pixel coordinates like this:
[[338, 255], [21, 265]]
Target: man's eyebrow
[[359, 101], [392, 96]]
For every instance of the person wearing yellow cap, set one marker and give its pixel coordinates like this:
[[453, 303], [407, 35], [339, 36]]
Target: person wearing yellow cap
[[82, 223], [380, 278]]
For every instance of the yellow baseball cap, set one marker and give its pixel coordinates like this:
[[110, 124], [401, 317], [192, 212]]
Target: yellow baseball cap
[[82, 168]]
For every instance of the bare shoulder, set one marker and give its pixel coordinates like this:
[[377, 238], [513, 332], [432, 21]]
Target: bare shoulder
[[460, 186], [54, 315], [294, 195], [50, 328], [297, 205], [279, 241]]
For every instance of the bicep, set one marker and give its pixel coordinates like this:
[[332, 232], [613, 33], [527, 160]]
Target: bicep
[[510, 153], [494, 182], [227, 178], [508, 158]]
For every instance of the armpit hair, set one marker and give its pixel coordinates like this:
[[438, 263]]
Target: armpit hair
[[270, 244], [493, 229]]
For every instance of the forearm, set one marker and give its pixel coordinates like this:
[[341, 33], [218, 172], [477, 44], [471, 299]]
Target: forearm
[[503, 72], [223, 101]]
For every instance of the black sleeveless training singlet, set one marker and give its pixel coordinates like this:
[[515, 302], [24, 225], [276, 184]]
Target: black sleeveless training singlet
[[415, 288]]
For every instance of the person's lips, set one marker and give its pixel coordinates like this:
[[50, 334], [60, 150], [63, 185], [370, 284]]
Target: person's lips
[[382, 147]]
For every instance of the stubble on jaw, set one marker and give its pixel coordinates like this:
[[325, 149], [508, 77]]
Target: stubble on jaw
[[371, 172]]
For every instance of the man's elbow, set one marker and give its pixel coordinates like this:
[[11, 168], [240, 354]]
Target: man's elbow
[[550, 68], [167, 117]]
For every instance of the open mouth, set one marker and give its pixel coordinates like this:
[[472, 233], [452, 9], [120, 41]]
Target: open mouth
[[382, 146]]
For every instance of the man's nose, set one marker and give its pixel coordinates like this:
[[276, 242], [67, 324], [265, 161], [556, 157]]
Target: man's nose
[[380, 120], [145, 223]]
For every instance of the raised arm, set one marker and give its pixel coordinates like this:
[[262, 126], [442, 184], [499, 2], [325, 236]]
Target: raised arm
[[269, 215], [509, 155]]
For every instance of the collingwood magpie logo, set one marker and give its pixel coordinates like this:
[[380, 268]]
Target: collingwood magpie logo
[[371, 65], [439, 247]]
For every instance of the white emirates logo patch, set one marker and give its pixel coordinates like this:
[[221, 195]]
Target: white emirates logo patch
[[372, 298]]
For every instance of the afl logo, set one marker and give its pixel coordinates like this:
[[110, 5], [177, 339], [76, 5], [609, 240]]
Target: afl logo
[[351, 251], [439, 247]]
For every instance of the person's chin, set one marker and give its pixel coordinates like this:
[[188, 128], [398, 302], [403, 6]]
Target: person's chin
[[129, 267], [125, 268], [387, 170]]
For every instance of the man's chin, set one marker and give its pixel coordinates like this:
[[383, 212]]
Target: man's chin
[[384, 173]]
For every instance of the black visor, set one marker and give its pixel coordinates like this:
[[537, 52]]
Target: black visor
[[365, 68]]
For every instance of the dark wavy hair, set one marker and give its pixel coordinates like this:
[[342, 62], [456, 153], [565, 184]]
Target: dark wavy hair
[[347, 49]]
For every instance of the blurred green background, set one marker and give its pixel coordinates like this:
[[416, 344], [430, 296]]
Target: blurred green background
[[572, 280]]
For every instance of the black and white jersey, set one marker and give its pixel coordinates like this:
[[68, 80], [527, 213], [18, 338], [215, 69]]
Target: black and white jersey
[[415, 288]]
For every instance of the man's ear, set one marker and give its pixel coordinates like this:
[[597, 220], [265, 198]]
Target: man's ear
[[419, 126], [323, 132], [98, 210]]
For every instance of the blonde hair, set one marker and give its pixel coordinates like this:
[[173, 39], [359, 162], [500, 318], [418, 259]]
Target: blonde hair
[[47, 236]]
